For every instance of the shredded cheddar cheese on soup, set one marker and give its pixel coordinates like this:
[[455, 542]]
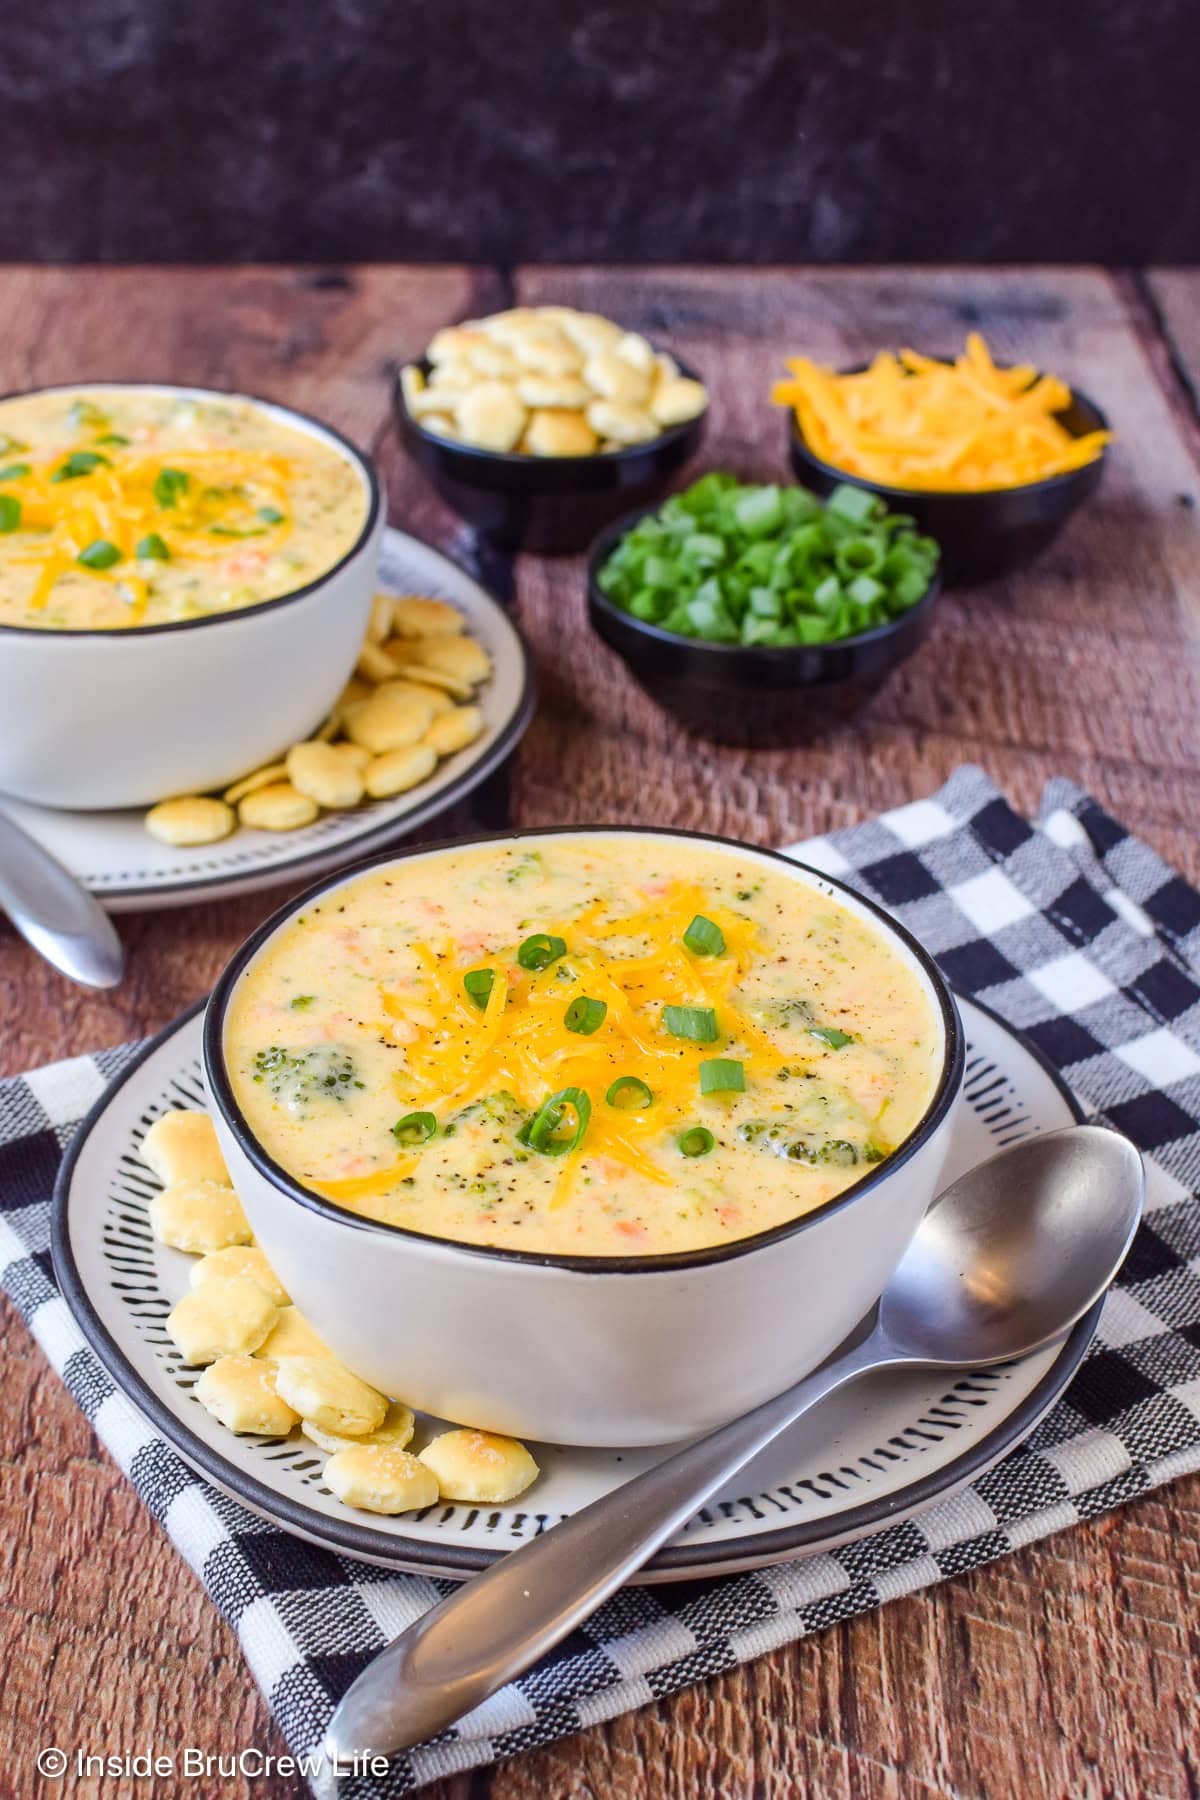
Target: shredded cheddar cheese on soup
[[130, 506], [911, 421], [596, 1046]]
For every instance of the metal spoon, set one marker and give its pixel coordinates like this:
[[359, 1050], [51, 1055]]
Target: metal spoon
[[55, 913], [1006, 1260]]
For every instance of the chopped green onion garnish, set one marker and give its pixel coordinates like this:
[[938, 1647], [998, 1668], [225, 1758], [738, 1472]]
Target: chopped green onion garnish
[[10, 512], [829, 1034], [153, 547], [696, 1022], [169, 485], [703, 938], [414, 1128], [540, 1131], [479, 984], [629, 1093], [585, 1015], [722, 1075], [272, 515], [302, 1002], [84, 413], [99, 554], [540, 950], [79, 463], [14, 471], [9, 444], [112, 437], [696, 1142]]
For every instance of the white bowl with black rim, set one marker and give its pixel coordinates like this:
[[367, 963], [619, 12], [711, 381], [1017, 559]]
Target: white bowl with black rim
[[110, 718], [590, 1350]]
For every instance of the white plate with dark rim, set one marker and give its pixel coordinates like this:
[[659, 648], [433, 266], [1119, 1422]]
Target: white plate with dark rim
[[114, 855], [868, 1457]]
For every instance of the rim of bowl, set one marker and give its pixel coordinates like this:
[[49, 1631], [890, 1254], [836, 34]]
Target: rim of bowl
[[521, 460], [612, 534], [350, 451], [1078, 397], [220, 1087]]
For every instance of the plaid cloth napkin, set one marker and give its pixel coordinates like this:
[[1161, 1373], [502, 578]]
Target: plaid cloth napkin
[[1075, 932]]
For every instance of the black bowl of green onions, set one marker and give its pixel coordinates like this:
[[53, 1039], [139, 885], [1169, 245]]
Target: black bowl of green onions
[[762, 614]]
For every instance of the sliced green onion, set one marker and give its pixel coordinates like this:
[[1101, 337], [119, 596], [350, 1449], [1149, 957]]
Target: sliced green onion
[[170, 484], [696, 1142], [585, 1015], [14, 471], [722, 1075], [414, 1128], [112, 437], [539, 1132], [629, 1093], [153, 547], [703, 938], [699, 1023], [9, 444], [302, 1002], [540, 950], [768, 565], [83, 412], [10, 512], [829, 1034], [852, 503], [99, 554], [78, 464], [271, 515], [479, 984]]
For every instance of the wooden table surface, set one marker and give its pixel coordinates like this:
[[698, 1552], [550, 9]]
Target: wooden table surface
[[1070, 1669]]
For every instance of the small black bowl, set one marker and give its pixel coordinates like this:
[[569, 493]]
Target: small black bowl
[[753, 694], [985, 534], [551, 504]]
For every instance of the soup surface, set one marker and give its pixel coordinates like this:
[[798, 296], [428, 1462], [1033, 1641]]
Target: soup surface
[[588, 1045], [126, 506]]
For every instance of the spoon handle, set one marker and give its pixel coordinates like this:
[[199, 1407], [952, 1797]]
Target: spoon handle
[[498, 1624], [55, 913]]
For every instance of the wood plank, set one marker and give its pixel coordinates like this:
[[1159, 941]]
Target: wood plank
[[1174, 298], [1071, 1668]]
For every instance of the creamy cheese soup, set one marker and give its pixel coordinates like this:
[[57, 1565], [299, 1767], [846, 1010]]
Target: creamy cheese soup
[[600, 1046], [127, 506]]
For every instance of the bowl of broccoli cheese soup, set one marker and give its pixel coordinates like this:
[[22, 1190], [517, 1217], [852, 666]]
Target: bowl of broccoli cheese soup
[[185, 577], [596, 1136]]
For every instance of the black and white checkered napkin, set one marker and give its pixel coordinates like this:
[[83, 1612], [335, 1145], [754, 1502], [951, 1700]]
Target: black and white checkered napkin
[[1075, 932]]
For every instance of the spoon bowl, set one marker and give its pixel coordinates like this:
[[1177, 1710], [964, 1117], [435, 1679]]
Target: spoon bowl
[[55, 913], [1015, 1251]]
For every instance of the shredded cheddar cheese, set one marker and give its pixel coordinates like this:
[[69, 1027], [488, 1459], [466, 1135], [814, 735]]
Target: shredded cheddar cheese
[[229, 494], [361, 1187], [911, 421], [520, 1040]]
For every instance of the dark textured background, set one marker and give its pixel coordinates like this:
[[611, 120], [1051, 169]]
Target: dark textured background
[[720, 130]]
